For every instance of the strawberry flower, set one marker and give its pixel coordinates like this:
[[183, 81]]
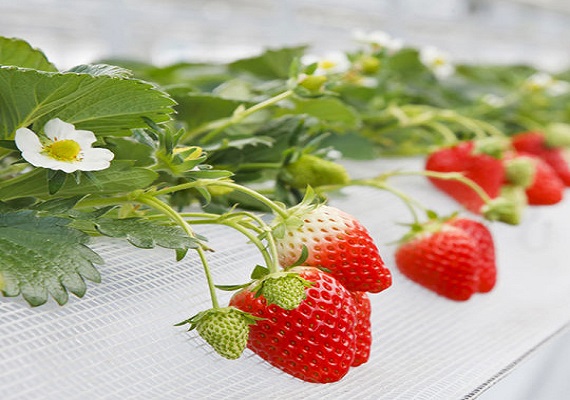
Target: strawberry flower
[[62, 148], [379, 40], [331, 63], [437, 61], [541, 81]]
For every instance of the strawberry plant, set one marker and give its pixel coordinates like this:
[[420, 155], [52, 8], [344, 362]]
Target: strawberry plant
[[146, 154]]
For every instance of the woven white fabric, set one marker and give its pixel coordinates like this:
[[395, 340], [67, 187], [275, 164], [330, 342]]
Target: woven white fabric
[[119, 342]]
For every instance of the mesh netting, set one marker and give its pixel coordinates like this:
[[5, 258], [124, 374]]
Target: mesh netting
[[119, 340]]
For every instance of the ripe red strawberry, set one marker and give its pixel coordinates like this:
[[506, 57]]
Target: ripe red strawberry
[[486, 247], [485, 170], [535, 143], [547, 188], [442, 258], [542, 185], [316, 341], [362, 328], [336, 242]]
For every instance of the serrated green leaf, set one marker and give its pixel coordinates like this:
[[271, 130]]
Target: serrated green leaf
[[59, 205], [146, 234], [106, 105], [120, 177], [19, 53], [41, 256]]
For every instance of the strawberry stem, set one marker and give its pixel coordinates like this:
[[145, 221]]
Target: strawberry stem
[[233, 220], [273, 206], [218, 126], [457, 176], [158, 205], [410, 202]]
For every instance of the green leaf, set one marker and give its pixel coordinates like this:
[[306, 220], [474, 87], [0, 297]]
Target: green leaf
[[352, 145], [331, 111], [129, 149], [272, 64], [146, 234], [106, 105], [42, 257], [19, 53], [57, 206], [102, 69], [120, 177], [197, 109]]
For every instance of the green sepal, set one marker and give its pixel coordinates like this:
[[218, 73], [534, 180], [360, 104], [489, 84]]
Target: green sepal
[[508, 207], [259, 272], [56, 180]]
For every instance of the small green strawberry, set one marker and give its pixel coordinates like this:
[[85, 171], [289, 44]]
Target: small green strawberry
[[313, 83], [310, 170], [225, 329]]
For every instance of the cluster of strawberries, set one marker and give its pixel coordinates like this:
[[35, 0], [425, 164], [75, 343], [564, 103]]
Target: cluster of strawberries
[[311, 318], [455, 257], [527, 168], [327, 331]]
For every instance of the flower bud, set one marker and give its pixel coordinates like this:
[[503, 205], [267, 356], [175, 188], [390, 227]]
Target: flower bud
[[369, 65], [313, 83]]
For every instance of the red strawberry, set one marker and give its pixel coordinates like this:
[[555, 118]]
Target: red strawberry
[[486, 247], [442, 258], [535, 143], [483, 169], [362, 328], [541, 183], [336, 242], [547, 188], [316, 341]]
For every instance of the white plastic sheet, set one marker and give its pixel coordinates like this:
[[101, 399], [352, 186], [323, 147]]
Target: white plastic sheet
[[119, 342]]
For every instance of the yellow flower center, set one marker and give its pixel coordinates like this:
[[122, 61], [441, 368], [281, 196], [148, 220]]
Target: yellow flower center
[[439, 61], [63, 150], [327, 64]]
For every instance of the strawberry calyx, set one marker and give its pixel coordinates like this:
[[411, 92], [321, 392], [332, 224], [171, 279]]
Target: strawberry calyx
[[433, 224], [284, 289], [520, 171], [292, 218], [508, 207], [492, 146], [556, 135]]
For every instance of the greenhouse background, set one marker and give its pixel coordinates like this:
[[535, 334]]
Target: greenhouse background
[[499, 31]]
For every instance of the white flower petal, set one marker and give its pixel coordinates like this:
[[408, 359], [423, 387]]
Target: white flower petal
[[84, 138], [27, 140], [56, 128], [97, 153]]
